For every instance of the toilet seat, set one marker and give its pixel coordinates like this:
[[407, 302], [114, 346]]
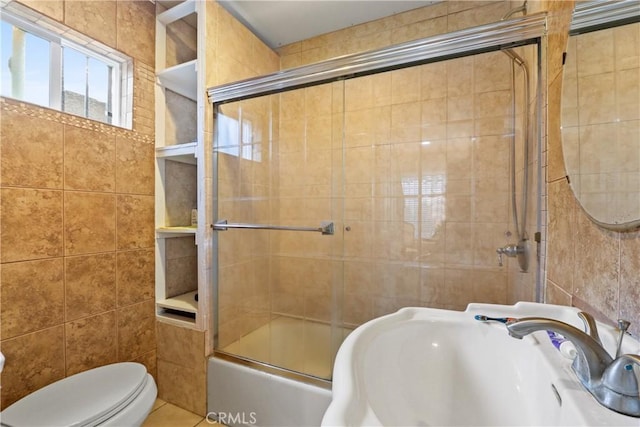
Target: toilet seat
[[85, 399]]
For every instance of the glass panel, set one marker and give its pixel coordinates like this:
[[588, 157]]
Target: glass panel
[[99, 91], [74, 82], [24, 65], [86, 86], [428, 189], [279, 163]]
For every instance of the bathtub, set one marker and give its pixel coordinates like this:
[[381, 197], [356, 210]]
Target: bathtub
[[251, 390]]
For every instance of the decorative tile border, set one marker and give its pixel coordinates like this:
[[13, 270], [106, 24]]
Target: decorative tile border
[[43, 113]]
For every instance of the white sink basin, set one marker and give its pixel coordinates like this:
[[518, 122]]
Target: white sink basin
[[426, 367]]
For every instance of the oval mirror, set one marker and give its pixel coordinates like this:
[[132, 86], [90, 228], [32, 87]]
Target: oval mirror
[[601, 112]]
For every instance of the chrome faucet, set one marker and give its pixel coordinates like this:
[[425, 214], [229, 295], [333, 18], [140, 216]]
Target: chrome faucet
[[612, 382], [517, 250], [511, 251]]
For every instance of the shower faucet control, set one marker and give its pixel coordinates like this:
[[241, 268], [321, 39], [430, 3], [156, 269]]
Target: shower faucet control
[[518, 250], [509, 250]]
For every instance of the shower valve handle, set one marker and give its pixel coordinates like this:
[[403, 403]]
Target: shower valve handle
[[511, 251]]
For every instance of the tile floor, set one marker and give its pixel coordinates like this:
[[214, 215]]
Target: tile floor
[[165, 414]]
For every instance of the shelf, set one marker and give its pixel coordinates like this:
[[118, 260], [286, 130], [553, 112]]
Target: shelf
[[183, 320], [181, 79], [178, 23], [183, 153], [185, 303], [168, 232], [177, 12]]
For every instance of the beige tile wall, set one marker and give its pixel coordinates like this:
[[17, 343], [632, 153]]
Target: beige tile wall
[[182, 367], [180, 119], [77, 220], [411, 25]]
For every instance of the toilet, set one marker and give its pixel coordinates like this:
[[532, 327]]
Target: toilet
[[121, 394]]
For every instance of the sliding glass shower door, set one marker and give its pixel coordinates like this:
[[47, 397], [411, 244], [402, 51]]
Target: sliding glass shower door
[[410, 166], [279, 239]]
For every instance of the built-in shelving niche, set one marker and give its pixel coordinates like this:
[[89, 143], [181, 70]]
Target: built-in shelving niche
[[176, 161]]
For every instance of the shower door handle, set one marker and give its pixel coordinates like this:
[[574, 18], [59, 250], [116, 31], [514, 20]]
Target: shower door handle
[[326, 227]]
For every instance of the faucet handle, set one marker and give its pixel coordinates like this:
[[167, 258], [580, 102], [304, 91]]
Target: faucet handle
[[590, 326], [619, 377], [623, 325]]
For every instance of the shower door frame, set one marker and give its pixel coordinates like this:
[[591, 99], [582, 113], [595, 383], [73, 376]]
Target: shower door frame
[[515, 32]]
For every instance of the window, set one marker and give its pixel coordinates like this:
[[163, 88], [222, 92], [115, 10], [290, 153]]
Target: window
[[42, 66]]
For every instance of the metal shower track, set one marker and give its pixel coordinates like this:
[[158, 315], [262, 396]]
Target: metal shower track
[[484, 38]]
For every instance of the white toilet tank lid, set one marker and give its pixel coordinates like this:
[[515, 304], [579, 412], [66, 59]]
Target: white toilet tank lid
[[85, 399]]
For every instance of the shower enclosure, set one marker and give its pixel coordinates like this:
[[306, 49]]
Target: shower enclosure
[[280, 217], [351, 188]]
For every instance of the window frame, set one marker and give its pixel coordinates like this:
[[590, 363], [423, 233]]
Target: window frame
[[121, 68]]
